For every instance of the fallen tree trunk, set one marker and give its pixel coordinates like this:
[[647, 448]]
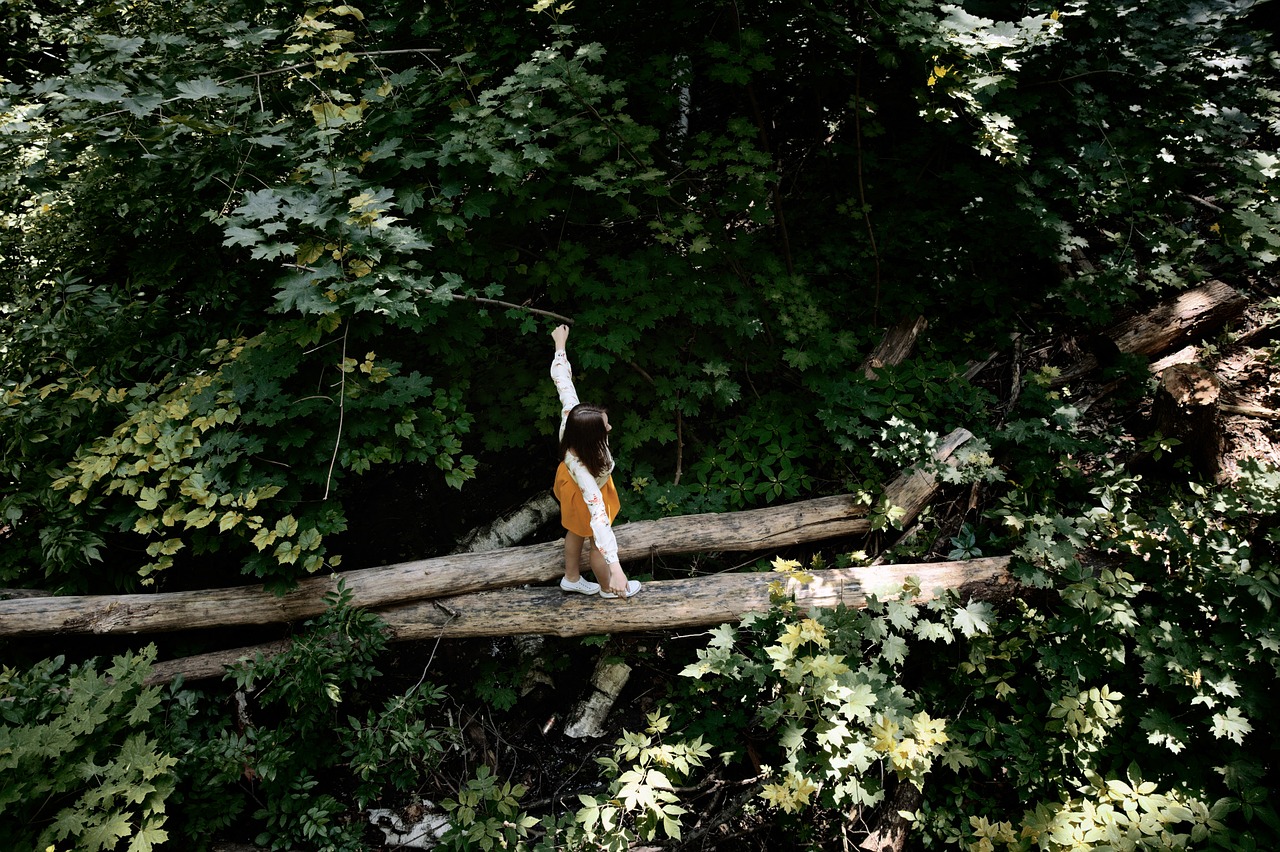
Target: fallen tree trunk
[[695, 602], [1173, 320], [1170, 322], [13, 594], [895, 346], [512, 528], [664, 605], [1250, 410], [749, 531]]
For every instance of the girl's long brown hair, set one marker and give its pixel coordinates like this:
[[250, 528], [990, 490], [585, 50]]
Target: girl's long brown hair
[[585, 435]]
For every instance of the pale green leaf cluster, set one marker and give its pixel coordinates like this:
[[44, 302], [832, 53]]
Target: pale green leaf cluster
[[1113, 815], [829, 684], [487, 814], [81, 764], [642, 802]]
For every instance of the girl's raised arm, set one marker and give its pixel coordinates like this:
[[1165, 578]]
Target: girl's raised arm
[[562, 375]]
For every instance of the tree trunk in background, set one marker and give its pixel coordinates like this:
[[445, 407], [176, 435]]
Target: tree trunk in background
[[512, 528], [891, 831]]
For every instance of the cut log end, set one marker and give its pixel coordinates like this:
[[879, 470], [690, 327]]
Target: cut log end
[[895, 346]]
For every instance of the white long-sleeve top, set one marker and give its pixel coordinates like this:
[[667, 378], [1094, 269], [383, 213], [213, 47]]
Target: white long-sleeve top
[[601, 529]]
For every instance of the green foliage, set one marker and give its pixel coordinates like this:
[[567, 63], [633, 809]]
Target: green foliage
[[729, 209], [1152, 652], [501, 679], [640, 803], [487, 815], [354, 422], [80, 758], [1119, 709], [826, 691], [643, 772], [191, 462], [761, 463], [301, 746], [964, 545], [251, 254], [1128, 814], [394, 745]]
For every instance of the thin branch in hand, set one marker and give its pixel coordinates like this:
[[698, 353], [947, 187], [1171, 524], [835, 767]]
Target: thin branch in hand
[[459, 297]]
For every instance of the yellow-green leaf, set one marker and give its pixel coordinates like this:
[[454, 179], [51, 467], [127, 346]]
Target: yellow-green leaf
[[287, 553], [199, 518], [264, 538], [309, 539]]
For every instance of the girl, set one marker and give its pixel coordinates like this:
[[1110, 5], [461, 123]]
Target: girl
[[584, 487]]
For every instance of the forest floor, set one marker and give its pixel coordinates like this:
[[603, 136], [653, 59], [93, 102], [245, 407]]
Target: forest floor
[[1248, 374]]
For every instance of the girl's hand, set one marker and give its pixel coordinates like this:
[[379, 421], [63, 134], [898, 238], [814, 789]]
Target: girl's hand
[[560, 334]]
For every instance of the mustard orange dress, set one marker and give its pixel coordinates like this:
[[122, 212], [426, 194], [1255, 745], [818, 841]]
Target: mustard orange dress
[[575, 516], [588, 504]]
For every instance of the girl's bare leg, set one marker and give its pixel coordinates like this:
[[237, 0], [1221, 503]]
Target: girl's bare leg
[[615, 582], [573, 556]]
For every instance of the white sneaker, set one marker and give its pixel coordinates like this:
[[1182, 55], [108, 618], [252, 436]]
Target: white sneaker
[[582, 585], [633, 587]]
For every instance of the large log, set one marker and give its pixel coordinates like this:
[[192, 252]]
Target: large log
[[750, 531], [1174, 320], [663, 605], [695, 602]]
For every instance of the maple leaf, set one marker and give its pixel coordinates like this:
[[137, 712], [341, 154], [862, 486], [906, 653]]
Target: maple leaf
[[1231, 725], [975, 618], [204, 87]]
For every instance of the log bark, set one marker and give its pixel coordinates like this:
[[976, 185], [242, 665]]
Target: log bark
[[13, 594], [749, 531], [213, 664], [1249, 410], [662, 605], [512, 528], [607, 681], [1174, 320], [1185, 355], [1189, 313], [672, 604], [895, 346]]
